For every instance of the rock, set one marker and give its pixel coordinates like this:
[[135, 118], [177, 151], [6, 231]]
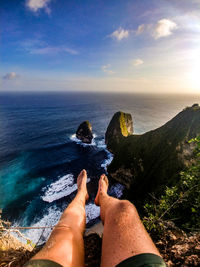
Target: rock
[[120, 126], [195, 106], [95, 229], [149, 162], [84, 132]]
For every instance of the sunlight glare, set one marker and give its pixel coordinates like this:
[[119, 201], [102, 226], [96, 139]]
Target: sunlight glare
[[193, 77]]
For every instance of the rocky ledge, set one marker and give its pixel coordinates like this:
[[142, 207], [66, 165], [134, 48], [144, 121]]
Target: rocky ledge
[[176, 247]]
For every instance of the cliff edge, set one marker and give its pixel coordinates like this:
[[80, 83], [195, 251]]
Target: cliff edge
[[146, 163]]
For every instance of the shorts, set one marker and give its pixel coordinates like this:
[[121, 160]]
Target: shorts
[[141, 260]]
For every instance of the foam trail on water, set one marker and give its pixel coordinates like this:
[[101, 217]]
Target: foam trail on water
[[101, 144], [78, 141], [116, 190], [92, 212], [61, 188], [107, 161]]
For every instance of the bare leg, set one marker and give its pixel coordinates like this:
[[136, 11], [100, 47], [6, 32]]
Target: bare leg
[[65, 245], [124, 234]]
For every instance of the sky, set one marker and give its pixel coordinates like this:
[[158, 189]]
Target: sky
[[145, 46]]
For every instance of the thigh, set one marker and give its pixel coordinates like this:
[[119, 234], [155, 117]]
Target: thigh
[[124, 235]]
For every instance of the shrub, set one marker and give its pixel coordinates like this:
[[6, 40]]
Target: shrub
[[180, 203]]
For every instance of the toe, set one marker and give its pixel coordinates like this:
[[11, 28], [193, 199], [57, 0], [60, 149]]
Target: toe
[[84, 173]]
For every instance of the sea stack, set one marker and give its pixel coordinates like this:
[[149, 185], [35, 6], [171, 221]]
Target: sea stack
[[120, 126], [84, 132]]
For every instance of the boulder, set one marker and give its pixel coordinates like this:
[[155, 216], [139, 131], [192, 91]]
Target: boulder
[[120, 126], [84, 132], [149, 162]]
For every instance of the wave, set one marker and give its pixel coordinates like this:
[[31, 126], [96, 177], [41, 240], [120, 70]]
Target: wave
[[51, 218], [107, 161], [99, 144], [60, 188], [92, 212], [78, 141], [116, 190]]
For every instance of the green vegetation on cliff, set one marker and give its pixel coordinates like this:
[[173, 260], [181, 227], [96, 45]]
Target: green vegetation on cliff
[[181, 202], [123, 125], [120, 126], [89, 125]]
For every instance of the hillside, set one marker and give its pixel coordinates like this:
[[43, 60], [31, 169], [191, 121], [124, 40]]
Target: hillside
[[149, 162]]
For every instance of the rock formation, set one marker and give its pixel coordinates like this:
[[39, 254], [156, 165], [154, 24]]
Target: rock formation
[[84, 132], [147, 163], [120, 126]]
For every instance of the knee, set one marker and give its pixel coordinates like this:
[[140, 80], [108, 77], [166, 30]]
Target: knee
[[121, 214], [67, 230], [123, 211], [125, 207]]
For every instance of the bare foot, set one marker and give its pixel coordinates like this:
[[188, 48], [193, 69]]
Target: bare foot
[[102, 189], [81, 183]]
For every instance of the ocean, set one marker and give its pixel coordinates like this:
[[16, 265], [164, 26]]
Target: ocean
[[40, 156]]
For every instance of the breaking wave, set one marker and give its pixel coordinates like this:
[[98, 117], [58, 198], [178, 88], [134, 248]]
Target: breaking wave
[[78, 141], [61, 188]]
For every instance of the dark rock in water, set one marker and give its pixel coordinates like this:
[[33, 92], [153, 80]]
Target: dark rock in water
[[149, 162], [120, 126], [84, 132]]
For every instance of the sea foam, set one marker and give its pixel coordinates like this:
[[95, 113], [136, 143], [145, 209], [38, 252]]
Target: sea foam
[[107, 161], [63, 187], [92, 212], [51, 217], [116, 190], [78, 141], [39, 236]]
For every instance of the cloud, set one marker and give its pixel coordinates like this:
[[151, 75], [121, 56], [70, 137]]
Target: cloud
[[164, 28], [137, 62], [52, 50], [140, 29], [106, 69], [36, 5], [120, 34], [39, 47], [10, 76]]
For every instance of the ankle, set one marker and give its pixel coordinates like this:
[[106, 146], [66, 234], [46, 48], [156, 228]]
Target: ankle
[[81, 197]]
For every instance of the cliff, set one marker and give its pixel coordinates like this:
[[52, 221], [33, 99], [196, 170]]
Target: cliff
[[146, 163]]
